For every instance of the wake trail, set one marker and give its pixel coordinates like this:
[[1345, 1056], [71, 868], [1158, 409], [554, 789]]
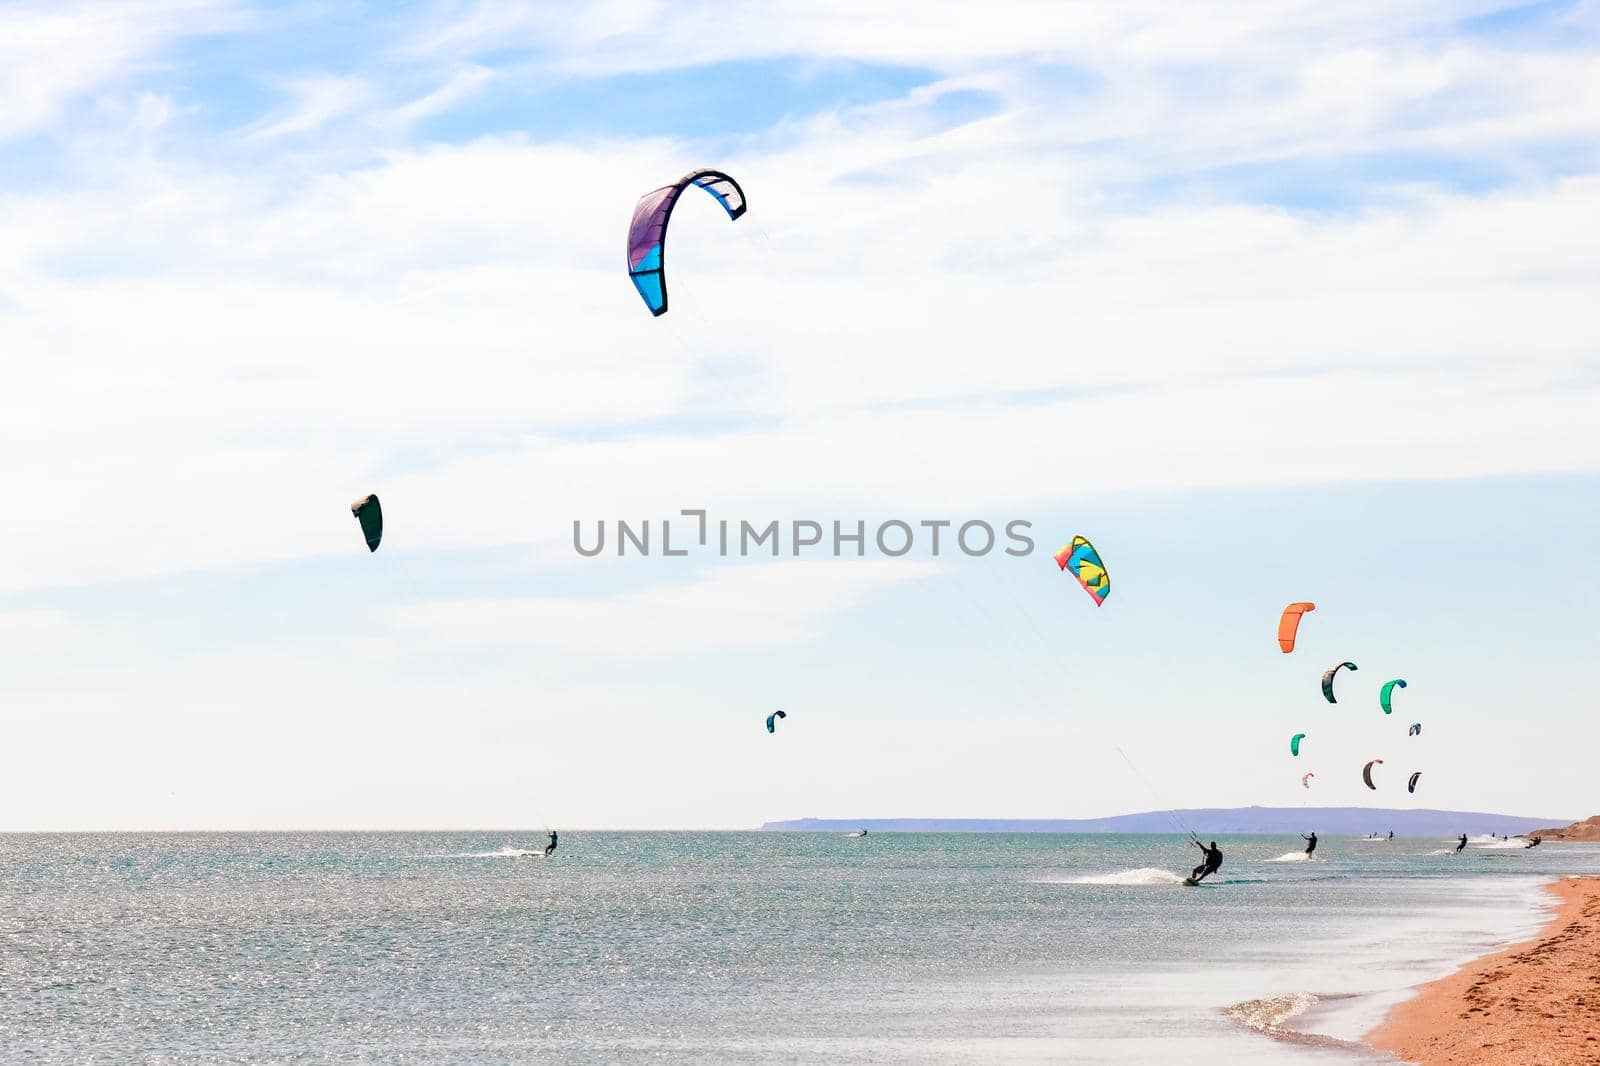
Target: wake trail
[[1143, 876], [505, 852]]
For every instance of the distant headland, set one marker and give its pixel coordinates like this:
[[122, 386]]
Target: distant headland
[[1587, 830], [1355, 821]]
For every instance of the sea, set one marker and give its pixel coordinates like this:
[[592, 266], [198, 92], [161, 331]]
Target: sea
[[732, 947]]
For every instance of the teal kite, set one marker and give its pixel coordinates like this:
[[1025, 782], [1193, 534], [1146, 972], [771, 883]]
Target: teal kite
[[1294, 743], [370, 515], [1383, 697]]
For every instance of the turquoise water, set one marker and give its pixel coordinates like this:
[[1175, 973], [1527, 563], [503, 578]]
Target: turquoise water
[[730, 947]]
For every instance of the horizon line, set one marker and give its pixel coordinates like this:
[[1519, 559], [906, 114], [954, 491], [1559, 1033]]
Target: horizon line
[[763, 826]]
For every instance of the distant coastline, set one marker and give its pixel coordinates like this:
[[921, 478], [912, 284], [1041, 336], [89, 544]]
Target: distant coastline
[[1355, 821]]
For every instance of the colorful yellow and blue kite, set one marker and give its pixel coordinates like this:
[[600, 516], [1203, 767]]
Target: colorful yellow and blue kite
[[1084, 562]]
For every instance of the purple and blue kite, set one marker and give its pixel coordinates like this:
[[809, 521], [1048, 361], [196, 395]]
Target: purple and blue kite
[[647, 236]]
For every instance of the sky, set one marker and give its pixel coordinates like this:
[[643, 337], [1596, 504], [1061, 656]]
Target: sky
[[1290, 302]]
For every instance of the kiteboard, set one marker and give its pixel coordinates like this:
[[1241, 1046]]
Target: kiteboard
[[1191, 882]]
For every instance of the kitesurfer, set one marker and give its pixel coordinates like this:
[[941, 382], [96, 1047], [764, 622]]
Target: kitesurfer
[[1210, 864], [1533, 843], [1311, 843], [1391, 834], [550, 847], [1462, 845]]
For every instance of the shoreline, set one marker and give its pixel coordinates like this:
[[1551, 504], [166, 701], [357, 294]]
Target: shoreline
[[1537, 1001]]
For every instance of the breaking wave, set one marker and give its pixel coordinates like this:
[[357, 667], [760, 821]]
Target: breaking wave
[[1270, 1017]]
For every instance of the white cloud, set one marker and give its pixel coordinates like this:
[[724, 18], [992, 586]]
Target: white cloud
[[52, 54], [893, 344], [317, 101], [631, 35], [738, 607], [462, 85], [31, 634]]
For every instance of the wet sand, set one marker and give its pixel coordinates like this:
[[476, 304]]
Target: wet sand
[[1535, 1003]]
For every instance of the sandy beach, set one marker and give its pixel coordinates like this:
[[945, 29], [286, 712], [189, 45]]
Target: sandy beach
[[1534, 1003]]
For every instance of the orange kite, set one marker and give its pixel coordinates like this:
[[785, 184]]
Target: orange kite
[[1289, 624]]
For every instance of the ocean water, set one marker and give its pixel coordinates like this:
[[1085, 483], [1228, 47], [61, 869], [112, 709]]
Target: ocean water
[[733, 947]]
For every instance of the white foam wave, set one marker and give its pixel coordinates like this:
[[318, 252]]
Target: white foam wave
[[1293, 856], [1145, 875], [1268, 1015], [1502, 845]]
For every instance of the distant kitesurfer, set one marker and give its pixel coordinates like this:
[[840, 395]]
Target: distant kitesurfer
[[1209, 865], [550, 847], [1462, 845], [1391, 834], [1311, 843], [1533, 843]]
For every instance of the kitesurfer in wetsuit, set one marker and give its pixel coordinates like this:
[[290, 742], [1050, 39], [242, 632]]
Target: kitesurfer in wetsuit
[[1391, 834], [550, 847], [1311, 843], [1533, 843], [1210, 865], [1462, 845]]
